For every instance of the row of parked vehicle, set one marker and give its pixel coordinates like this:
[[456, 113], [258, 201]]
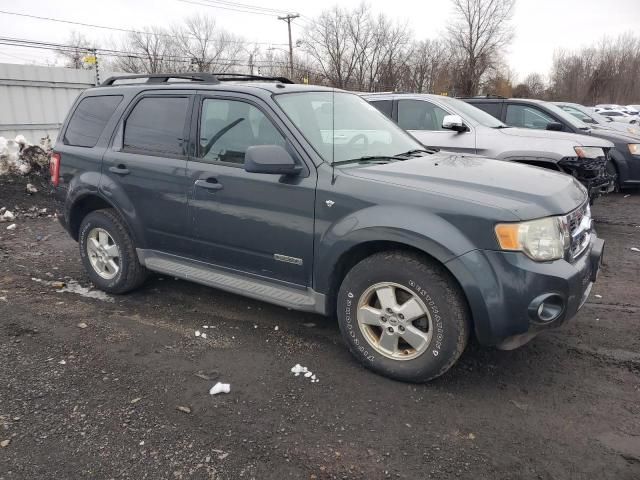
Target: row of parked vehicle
[[619, 113], [602, 155], [310, 198]]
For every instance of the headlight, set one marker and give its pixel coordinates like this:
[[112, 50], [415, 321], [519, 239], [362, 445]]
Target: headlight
[[541, 240], [634, 148], [589, 152]]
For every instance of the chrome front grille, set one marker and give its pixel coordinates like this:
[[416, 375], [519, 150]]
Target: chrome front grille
[[580, 224]]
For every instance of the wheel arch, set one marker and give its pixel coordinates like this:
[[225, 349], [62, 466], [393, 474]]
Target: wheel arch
[[358, 252], [90, 202]]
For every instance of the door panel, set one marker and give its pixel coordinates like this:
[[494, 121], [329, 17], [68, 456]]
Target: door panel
[[147, 164], [256, 223]]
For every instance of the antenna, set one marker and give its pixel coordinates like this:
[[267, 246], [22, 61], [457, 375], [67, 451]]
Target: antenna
[[333, 136]]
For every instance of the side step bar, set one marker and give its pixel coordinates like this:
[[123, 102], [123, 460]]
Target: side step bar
[[249, 286]]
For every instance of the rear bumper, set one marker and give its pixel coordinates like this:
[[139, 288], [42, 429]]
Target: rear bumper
[[505, 291]]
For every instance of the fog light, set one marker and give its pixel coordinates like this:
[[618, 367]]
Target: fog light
[[546, 308]]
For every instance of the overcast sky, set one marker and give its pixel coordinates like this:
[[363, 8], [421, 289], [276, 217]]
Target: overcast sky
[[541, 26]]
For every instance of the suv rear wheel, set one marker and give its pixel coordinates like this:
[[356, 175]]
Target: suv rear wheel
[[403, 316], [108, 253]]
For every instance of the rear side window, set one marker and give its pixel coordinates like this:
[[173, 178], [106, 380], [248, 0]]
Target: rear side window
[[89, 119], [492, 109], [156, 126], [527, 117], [385, 106]]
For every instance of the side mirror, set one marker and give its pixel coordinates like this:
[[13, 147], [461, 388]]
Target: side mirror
[[270, 159], [555, 126], [454, 122]]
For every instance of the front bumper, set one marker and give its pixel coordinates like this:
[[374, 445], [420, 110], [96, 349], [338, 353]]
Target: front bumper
[[591, 172], [504, 290]]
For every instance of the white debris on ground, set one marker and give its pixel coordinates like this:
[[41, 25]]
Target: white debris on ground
[[197, 334], [73, 286], [11, 227], [220, 388], [7, 216], [19, 156], [298, 369], [31, 189], [634, 249]]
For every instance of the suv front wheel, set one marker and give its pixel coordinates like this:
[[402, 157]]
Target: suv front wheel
[[108, 253], [403, 316]]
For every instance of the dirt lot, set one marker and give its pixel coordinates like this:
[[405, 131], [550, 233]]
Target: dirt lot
[[101, 401]]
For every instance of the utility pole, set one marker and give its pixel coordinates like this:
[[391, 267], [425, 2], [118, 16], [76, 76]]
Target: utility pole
[[288, 18], [251, 63], [95, 56]]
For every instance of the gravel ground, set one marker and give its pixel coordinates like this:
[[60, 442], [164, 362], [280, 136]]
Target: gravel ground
[[90, 387]]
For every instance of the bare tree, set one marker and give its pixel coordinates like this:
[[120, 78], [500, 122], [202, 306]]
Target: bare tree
[[74, 56], [605, 73], [208, 47], [428, 67], [479, 35], [150, 51]]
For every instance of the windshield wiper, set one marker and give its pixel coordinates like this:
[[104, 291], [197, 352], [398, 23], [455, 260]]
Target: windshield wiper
[[500, 127], [368, 158], [417, 150]]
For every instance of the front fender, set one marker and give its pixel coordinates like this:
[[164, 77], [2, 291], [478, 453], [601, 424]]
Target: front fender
[[622, 166], [409, 226]]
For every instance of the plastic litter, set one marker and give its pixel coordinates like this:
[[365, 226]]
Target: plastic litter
[[220, 388]]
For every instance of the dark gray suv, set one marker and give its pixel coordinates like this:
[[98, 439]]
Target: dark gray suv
[[309, 198]]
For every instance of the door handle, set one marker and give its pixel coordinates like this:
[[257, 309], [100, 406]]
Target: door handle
[[210, 183], [119, 170]]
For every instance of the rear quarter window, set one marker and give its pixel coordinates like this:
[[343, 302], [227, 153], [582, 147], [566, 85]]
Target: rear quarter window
[[89, 119], [492, 109]]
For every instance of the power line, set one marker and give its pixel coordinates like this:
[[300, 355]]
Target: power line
[[64, 48], [117, 29], [247, 6], [228, 8]]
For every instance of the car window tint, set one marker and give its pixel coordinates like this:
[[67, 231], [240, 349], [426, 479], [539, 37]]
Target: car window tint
[[385, 106], [492, 109], [156, 126], [89, 119], [229, 127], [527, 117], [420, 115]]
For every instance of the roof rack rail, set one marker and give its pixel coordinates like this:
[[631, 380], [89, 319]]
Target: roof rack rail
[[213, 78], [163, 78], [230, 77], [482, 96]]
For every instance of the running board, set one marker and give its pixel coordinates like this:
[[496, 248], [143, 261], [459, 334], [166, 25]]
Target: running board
[[254, 287]]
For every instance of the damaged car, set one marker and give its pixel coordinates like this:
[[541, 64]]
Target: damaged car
[[623, 166], [453, 125]]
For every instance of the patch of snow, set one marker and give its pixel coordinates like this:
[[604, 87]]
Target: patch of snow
[[12, 226], [276, 328], [62, 362], [203, 335], [298, 369], [31, 189], [7, 216], [220, 388], [197, 334], [74, 287], [634, 249]]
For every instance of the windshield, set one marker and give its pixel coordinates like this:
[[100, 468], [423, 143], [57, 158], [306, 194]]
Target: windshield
[[342, 126], [581, 113], [567, 117], [469, 111]]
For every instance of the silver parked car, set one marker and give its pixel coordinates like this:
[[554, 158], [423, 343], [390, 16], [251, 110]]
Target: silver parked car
[[597, 120], [453, 125]]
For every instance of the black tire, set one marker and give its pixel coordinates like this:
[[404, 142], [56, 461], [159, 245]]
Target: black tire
[[131, 273], [440, 295], [612, 170]]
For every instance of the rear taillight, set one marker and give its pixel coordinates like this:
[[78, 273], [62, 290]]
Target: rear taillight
[[54, 168]]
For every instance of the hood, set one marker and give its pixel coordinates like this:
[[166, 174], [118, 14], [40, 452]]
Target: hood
[[527, 192], [614, 136], [575, 139]]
